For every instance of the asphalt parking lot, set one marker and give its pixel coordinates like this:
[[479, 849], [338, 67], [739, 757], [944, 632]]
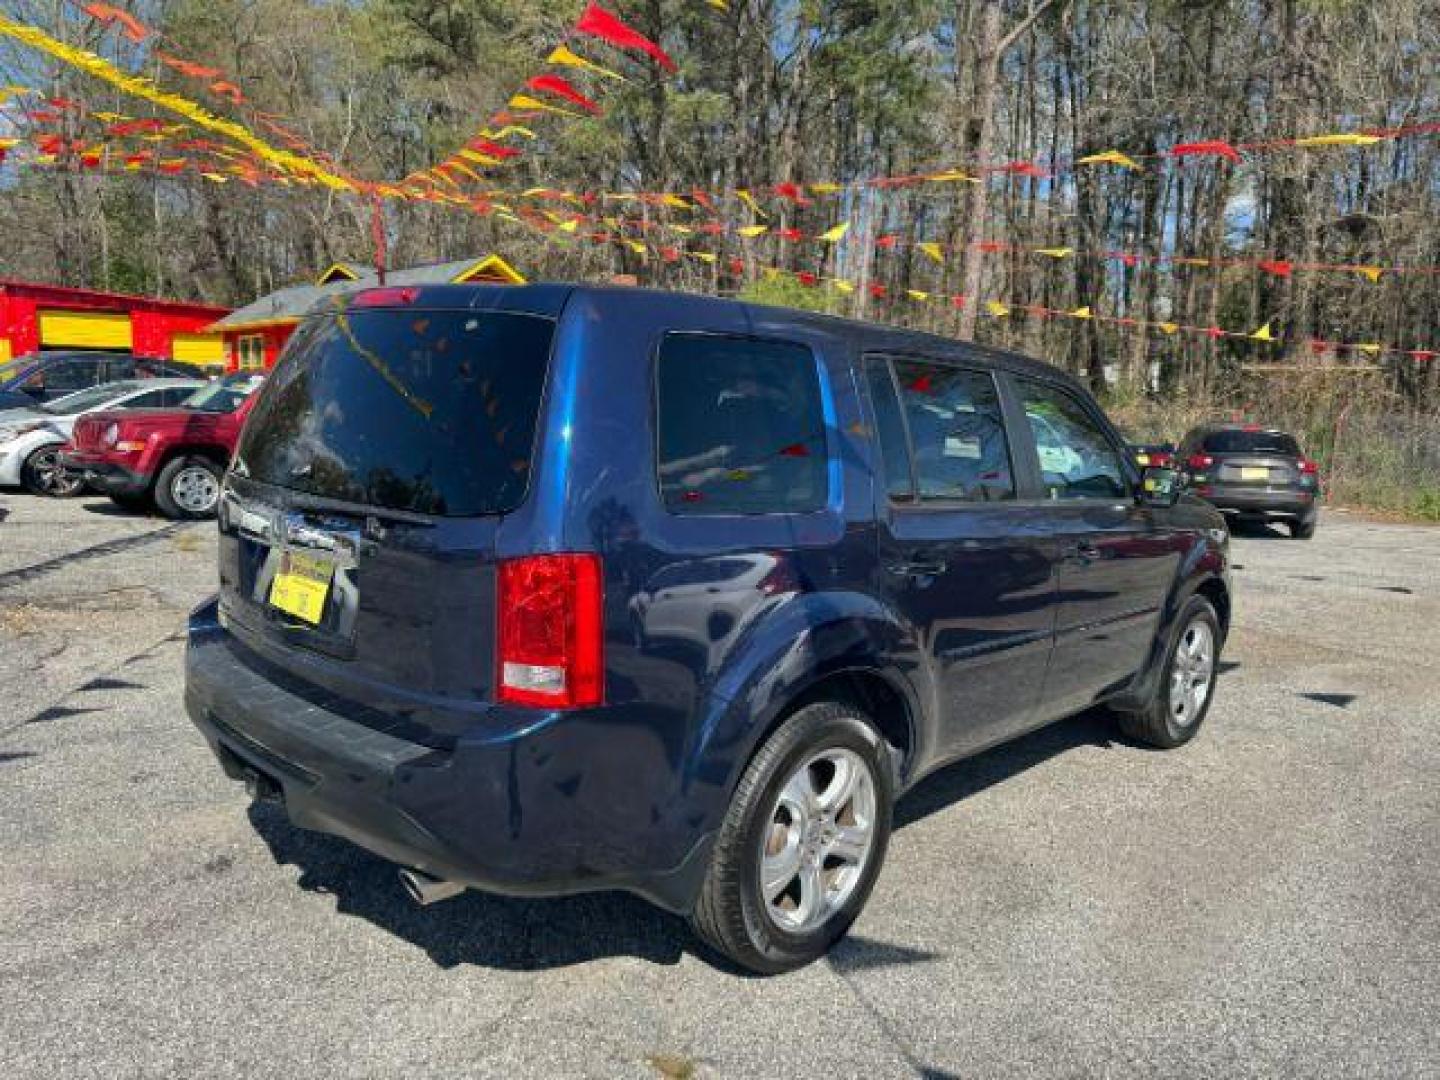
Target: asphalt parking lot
[[1263, 902]]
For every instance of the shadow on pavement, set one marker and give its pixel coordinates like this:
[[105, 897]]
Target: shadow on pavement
[[1258, 530], [106, 507], [534, 934]]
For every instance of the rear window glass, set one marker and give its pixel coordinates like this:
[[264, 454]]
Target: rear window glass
[[1251, 442], [431, 412], [741, 428]]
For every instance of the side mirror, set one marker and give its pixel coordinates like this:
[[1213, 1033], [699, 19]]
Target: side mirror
[[36, 391], [1160, 487]]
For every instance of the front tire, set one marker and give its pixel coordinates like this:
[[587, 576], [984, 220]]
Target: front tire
[[802, 843], [42, 474], [188, 488], [1187, 684], [1302, 528]]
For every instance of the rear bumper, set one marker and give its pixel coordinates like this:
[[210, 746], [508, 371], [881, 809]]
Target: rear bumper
[[523, 814], [1249, 502], [108, 477]]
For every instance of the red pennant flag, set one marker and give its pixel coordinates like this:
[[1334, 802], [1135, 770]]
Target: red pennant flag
[[188, 67], [877, 291], [702, 198], [669, 254], [1278, 267], [1424, 354], [562, 88], [807, 278], [171, 167], [1318, 347], [792, 192], [50, 144], [492, 149], [609, 28], [887, 242], [62, 103], [1024, 168], [737, 266], [712, 228], [90, 161], [957, 301], [130, 26], [1126, 258], [227, 90], [1214, 332], [44, 116], [794, 235], [1212, 148]]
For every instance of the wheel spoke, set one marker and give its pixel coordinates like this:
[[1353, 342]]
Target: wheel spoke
[[778, 871], [799, 794], [812, 895], [841, 787], [850, 844]]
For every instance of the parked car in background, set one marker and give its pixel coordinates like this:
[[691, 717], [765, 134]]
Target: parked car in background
[[31, 439], [1253, 473], [547, 589], [40, 377], [173, 456]]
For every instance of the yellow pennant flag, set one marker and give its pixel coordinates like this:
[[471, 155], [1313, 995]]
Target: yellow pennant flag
[[636, 246], [1263, 334], [1347, 138], [749, 200], [1056, 253], [703, 256], [916, 294], [1110, 157], [569, 226], [466, 170], [1182, 261], [825, 189], [1370, 273], [675, 201], [996, 308], [1168, 327], [751, 231], [528, 103], [719, 5], [953, 174], [932, 250], [107, 117], [842, 286], [8, 92], [834, 236], [683, 230], [478, 158], [508, 129], [1370, 348], [1082, 313], [215, 177], [562, 55]]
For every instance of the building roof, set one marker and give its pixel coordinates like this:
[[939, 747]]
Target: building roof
[[290, 304], [66, 293]]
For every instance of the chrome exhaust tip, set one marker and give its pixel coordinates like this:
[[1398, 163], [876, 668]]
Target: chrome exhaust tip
[[426, 890]]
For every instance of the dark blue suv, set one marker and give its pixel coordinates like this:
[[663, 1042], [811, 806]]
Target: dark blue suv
[[546, 589]]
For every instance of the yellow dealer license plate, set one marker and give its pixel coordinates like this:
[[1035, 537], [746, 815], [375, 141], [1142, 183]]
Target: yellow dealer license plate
[[1254, 472], [301, 585]]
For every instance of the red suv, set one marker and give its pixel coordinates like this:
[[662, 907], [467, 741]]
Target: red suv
[[174, 456]]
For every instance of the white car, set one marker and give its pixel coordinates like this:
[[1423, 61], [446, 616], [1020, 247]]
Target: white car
[[30, 439]]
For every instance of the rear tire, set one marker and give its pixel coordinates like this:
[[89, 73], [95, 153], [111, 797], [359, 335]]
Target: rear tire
[[41, 474], [188, 488], [1186, 685], [818, 795], [1301, 529]]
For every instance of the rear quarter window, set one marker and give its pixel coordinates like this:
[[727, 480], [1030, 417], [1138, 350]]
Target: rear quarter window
[[431, 412], [740, 426], [1251, 442]]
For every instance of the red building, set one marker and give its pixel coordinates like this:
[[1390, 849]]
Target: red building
[[35, 317], [255, 333]]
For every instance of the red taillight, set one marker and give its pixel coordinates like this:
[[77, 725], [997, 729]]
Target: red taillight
[[550, 644], [384, 297], [1200, 461], [1308, 467]]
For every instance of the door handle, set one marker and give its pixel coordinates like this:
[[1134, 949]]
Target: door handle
[[917, 569], [1082, 551]]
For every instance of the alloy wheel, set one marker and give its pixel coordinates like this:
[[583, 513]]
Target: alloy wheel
[[195, 489], [51, 477], [818, 840], [1191, 672]]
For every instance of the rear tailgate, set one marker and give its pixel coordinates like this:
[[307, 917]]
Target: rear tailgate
[[1256, 470], [358, 524]]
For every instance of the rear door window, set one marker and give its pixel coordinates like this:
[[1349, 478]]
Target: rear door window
[[740, 426], [431, 412], [957, 433], [1251, 442]]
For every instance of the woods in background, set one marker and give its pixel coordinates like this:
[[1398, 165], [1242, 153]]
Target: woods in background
[[771, 93]]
